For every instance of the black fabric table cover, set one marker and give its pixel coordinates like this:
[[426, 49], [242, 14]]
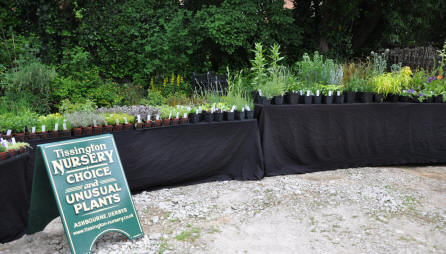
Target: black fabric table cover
[[151, 158], [165, 156], [14, 198], [306, 138]]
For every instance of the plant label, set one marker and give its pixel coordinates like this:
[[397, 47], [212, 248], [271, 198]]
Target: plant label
[[125, 120], [5, 144], [260, 92], [188, 109], [317, 92], [170, 115], [185, 115], [117, 121], [338, 93], [149, 118], [178, 115], [157, 117], [233, 108], [308, 92], [33, 129], [8, 132], [301, 92], [95, 124], [13, 141], [43, 128], [56, 126], [330, 93], [91, 198], [138, 118], [64, 126], [247, 108]]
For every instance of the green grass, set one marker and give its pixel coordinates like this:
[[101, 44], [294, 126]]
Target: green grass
[[189, 235]]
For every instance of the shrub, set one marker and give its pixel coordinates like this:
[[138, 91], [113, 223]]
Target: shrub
[[34, 81], [69, 107], [155, 98]]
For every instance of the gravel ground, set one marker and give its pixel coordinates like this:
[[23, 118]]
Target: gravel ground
[[359, 210]]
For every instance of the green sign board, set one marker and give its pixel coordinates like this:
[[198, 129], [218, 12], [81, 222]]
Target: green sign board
[[82, 180]]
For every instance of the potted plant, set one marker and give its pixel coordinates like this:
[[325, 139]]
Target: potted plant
[[273, 90], [249, 114], [308, 97], [193, 115], [366, 94], [128, 121], [97, 129], [229, 114], [207, 114], [148, 123], [139, 123], [20, 126], [351, 89], [387, 85], [78, 120], [218, 113], [405, 96], [339, 95], [184, 119], [176, 120], [158, 120], [31, 134], [43, 133], [3, 153], [316, 90], [66, 128], [327, 92], [166, 115], [240, 114], [20, 147], [292, 97], [107, 127]]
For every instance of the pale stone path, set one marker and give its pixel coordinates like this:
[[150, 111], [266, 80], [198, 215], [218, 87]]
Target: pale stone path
[[360, 210]]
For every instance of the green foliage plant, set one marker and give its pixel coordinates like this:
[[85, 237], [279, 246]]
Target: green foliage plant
[[258, 66], [68, 107], [387, 84], [34, 81]]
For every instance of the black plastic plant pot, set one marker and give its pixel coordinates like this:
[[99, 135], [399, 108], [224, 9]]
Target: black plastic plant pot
[[194, 118], [249, 114], [366, 97], [292, 98], [229, 116], [378, 98], [429, 100], [255, 96], [404, 98], [207, 116], [218, 116], [350, 97], [263, 100], [438, 99], [308, 99], [317, 99], [328, 99], [239, 115], [278, 100], [394, 98], [339, 99]]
